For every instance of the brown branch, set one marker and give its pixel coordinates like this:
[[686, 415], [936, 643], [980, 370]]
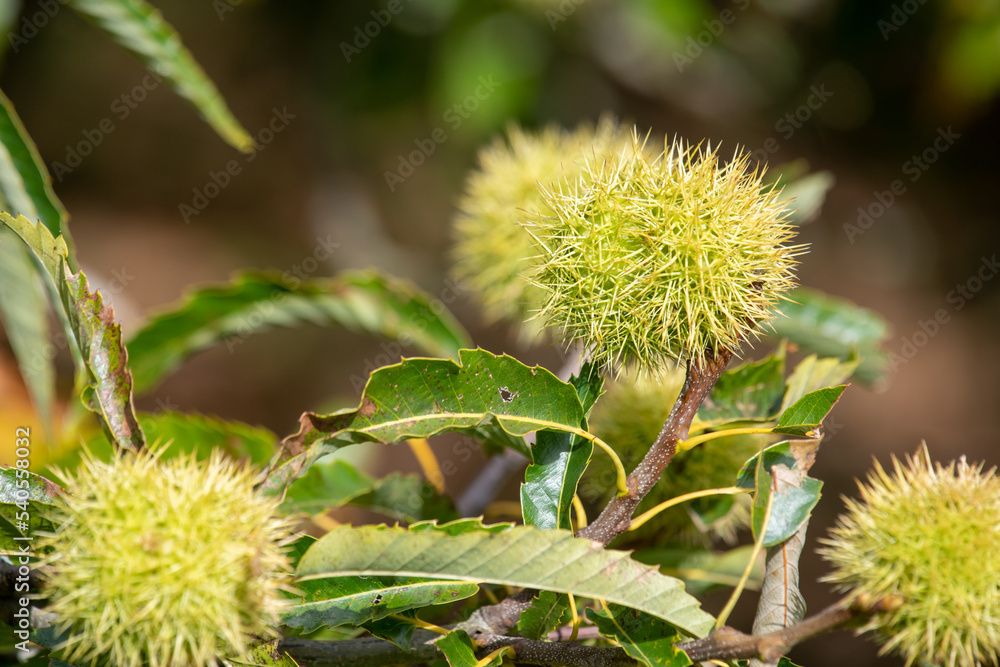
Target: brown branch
[[557, 654], [617, 515], [373, 652], [723, 644], [367, 652], [730, 644], [489, 625]]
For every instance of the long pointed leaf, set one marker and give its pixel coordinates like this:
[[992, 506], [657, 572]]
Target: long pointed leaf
[[26, 188], [140, 28], [24, 311], [548, 611], [98, 348], [419, 398], [806, 415], [782, 473], [523, 556], [814, 373], [459, 651], [355, 600], [649, 640], [559, 461], [25, 184], [751, 391], [37, 499], [185, 433], [228, 313], [830, 326]]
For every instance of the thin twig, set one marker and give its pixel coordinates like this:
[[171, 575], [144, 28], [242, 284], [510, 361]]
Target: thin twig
[[723, 644], [729, 644], [617, 515]]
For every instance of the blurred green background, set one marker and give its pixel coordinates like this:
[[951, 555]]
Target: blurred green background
[[383, 106]]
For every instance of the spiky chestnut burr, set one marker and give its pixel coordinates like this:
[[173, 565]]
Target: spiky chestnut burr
[[659, 259], [492, 251], [165, 563], [929, 536]]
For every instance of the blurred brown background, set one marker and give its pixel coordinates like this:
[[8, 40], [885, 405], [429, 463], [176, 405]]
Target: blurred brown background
[[862, 89]]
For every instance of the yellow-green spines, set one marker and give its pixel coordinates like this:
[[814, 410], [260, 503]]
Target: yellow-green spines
[[928, 535], [660, 259], [493, 252], [165, 563]]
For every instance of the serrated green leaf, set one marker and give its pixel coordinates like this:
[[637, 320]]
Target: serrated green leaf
[[794, 501], [354, 600], [814, 373], [24, 312], [646, 638], [26, 504], [559, 461], [548, 611], [407, 498], [49, 637], [140, 28], [459, 651], [782, 473], [265, 654], [751, 391], [184, 433], [298, 548], [351, 600], [336, 483], [834, 327], [394, 629], [328, 484], [26, 486], [25, 184], [202, 435], [806, 415], [522, 556], [98, 349], [366, 302], [419, 398], [460, 526]]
